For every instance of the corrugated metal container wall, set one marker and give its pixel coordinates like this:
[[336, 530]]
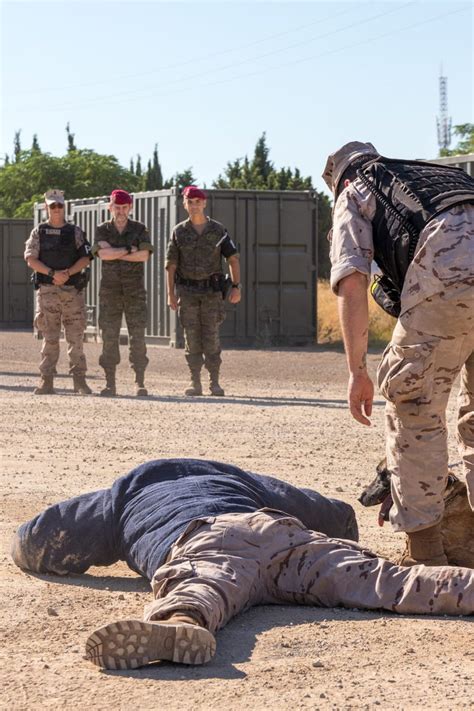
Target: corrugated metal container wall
[[16, 294], [466, 162], [276, 234]]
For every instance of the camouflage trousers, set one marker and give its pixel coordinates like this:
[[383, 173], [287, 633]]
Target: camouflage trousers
[[114, 304], [429, 348], [221, 566], [201, 315], [56, 305]]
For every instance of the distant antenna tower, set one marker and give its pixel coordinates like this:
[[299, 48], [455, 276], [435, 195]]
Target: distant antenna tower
[[443, 121]]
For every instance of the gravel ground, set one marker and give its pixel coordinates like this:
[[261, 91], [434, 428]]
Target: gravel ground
[[284, 414]]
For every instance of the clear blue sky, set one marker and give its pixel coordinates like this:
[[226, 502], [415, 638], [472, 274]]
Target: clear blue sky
[[205, 79]]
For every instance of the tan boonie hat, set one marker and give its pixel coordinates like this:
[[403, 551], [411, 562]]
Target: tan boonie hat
[[52, 196], [338, 161]]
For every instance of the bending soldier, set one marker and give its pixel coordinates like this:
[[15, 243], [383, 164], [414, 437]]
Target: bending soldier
[[196, 286], [416, 220], [124, 246], [58, 251]]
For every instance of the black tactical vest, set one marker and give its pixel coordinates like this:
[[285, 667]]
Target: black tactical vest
[[57, 250], [408, 195]]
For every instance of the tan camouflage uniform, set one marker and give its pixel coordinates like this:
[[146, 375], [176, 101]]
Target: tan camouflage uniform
[[56, 305], [122, 291], [433, 342], [201, 310], [221, 566]]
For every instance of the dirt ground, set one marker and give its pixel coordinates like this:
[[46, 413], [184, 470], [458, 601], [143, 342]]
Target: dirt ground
[[284, 413]]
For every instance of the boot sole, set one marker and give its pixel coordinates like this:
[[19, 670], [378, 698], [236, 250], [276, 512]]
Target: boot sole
[[130, 644]]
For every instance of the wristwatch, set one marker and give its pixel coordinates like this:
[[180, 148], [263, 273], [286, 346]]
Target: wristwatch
[[129, 248], [51, 273], [237, 286]]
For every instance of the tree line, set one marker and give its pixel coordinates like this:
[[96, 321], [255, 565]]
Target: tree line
[[81, 172], [27, 173]]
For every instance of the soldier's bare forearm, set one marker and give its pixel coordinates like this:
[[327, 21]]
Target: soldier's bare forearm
[[37, 265], [234, 269], [354, 319]]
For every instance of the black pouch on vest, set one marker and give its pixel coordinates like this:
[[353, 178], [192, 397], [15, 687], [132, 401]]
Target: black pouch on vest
[[386, 295]]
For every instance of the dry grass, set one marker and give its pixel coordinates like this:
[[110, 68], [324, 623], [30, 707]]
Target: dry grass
[[380, 324]]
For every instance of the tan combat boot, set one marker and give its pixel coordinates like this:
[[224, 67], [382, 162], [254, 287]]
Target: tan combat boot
[[214, 387], [195, 387], [128, 644], [141, 390], [425, 547], [110, 389], [80, 386], [46, 386]]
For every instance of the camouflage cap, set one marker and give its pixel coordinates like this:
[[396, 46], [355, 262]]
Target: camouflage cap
[[52, 196], [338, 161]]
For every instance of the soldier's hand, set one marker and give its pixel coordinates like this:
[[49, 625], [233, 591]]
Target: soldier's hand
[[360, 395], [172, 301], [60, 278], [234, 296]]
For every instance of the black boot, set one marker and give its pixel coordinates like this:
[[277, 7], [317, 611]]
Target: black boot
[[110, 389]]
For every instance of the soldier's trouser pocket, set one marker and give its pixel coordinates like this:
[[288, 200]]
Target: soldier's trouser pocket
[[406, 372]]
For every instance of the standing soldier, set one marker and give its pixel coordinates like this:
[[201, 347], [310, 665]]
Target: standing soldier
[[58, 251], [123, 245], [196, 286]]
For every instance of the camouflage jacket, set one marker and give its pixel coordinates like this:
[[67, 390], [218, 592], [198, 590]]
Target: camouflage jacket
[[117, 271], [195, 255]]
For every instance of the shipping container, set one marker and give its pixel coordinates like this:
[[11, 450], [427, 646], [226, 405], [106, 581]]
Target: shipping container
[[276, 235], [16, 293]]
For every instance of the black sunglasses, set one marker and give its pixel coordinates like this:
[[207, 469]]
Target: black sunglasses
[[56, 206]]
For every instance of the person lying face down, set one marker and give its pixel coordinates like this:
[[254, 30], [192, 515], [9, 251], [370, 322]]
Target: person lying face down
[[214, 540]]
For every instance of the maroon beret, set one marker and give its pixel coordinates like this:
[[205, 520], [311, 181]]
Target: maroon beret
[[121, 197], [193, 192]]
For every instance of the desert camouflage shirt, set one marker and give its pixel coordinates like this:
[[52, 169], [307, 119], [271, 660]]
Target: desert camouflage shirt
[[444, 256], [195, 255]]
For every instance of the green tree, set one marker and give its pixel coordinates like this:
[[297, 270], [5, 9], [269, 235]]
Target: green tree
[[465, 134], [71, 146], [154, 175], [80, 173], [260, 173], [17, 146], [138, 166], [181, 180], [261, 166], [35, 145], [132, 167], [157, 172]]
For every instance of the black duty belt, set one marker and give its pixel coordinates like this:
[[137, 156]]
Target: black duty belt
[[196, 283]]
